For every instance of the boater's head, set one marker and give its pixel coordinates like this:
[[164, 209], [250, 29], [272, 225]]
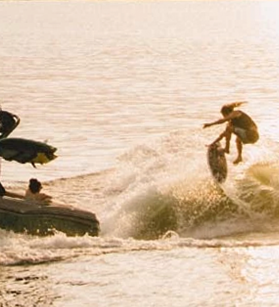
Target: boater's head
[[34, 185]]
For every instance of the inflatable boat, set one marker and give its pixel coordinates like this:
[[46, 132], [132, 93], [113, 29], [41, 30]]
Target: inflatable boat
[[22, 216]]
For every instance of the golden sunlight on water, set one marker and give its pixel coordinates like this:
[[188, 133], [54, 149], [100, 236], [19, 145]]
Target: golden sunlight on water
[[259, 268], [269, 12], [127, 86]]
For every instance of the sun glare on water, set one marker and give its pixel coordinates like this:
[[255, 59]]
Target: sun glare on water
[[269, 13]]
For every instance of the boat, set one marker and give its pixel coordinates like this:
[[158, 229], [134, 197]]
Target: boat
[[34, 218]]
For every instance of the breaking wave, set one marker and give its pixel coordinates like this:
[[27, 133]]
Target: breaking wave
[[170, 189], [161, 196]]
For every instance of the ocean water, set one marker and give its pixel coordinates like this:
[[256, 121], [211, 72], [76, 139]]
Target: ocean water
[[122, 89]]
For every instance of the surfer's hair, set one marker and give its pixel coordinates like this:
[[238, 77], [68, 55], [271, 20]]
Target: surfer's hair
[[228, 108], [34, 185]]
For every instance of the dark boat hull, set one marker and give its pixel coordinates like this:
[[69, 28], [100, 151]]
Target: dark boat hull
[[22, 216]]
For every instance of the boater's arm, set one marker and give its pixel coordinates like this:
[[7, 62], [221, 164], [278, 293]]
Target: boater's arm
[[14, 195]]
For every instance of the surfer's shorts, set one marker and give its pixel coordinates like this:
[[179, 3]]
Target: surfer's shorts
[[247, 136]]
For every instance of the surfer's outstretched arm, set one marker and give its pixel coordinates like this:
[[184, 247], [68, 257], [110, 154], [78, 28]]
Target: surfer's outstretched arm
[[217, 122], [223, 120]]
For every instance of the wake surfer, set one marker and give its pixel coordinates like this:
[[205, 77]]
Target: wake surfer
[[240, 124]]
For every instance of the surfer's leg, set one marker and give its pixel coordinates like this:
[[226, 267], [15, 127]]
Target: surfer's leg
[[239, 151], [228, 135], [220, 137]]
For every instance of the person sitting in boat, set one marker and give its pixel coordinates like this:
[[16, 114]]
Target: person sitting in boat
[[8, 122], [33, 192]]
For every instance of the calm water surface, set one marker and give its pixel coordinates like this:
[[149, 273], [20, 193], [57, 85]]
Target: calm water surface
[[122, 90]]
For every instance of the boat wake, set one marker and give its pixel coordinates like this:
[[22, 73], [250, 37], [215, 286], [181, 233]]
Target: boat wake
[[162, 196], [168, 187]]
